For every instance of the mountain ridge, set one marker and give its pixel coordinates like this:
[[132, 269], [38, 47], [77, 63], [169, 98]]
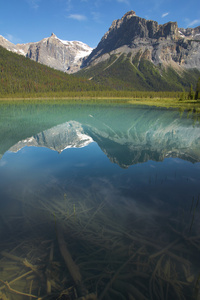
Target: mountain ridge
[[131, 33], [66, 56], [140, 54], [165, 43], [134, 54]]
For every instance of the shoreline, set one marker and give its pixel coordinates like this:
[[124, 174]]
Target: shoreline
[[157, 101]]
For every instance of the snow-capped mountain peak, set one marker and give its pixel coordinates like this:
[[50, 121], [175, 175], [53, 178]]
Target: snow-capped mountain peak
[[59, 54]]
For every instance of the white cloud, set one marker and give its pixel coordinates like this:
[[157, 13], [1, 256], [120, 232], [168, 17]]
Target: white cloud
[[165, 14], [194, 22], [77, 17]]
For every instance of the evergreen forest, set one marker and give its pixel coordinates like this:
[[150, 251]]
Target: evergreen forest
[[22, 77]]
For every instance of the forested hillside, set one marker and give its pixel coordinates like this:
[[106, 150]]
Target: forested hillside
[[137, 73], [116, 77], [20, 75]]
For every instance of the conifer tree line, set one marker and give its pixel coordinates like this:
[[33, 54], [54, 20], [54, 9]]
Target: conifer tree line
[[193, 94], [22, 77]]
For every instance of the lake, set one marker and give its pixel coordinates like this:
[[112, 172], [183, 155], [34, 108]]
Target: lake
[[99, 201]]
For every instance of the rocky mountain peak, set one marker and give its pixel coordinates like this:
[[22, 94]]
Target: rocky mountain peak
[[165, 43], [117, 23], [129, 14], [59, 54]]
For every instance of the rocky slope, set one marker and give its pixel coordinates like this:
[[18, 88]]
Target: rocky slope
[[160, 44], [62, 55], [140, 54]]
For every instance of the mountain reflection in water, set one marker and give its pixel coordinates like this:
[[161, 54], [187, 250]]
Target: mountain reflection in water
[[111, 213], [142, 139]]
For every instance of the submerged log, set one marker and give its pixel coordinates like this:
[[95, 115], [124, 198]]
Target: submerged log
[[71, 265]]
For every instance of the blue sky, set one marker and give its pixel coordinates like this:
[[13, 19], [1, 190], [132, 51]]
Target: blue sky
[[23, 21]]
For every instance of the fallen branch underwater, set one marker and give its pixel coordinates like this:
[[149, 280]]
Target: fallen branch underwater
[[72, 267], [17, 292]]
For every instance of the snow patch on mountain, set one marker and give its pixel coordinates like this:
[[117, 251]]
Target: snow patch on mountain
[[56, 53]]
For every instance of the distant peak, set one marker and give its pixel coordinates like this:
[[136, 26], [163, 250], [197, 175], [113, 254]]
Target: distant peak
[[53, 35]]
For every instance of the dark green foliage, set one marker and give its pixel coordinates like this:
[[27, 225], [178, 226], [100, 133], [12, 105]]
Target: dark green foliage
[[118, 76], [183, 95], [128, 72], [136, 58], [95, 70], [20, 75], [197, 94], [191, 94]]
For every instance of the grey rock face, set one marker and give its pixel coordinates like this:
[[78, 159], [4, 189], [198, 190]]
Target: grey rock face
[[66, 56], [19, 49], [166, 44], [62, 55]]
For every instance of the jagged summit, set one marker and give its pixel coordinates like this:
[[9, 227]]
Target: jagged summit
[[127, 16], [134, 26], [165, 43], [59, 54], [130, 14], [129, 29]]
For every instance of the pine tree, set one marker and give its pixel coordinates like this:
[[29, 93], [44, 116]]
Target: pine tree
[[182, 97], [191, 95], [197, 94]]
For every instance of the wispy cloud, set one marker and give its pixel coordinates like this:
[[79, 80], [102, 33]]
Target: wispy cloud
[[33, 3], [12, 38], [194, 22], [9, 37], [165, 14], [77, 17]]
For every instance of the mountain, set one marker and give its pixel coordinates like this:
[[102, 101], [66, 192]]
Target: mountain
[[134, 54], [66, 56], [10, 46], [161, 44], [137, 53]]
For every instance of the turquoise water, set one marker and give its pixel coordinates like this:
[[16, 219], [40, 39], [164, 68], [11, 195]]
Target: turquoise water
[[117, 185]]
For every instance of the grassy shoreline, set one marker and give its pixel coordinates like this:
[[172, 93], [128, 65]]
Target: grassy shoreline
[[158, 102]]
